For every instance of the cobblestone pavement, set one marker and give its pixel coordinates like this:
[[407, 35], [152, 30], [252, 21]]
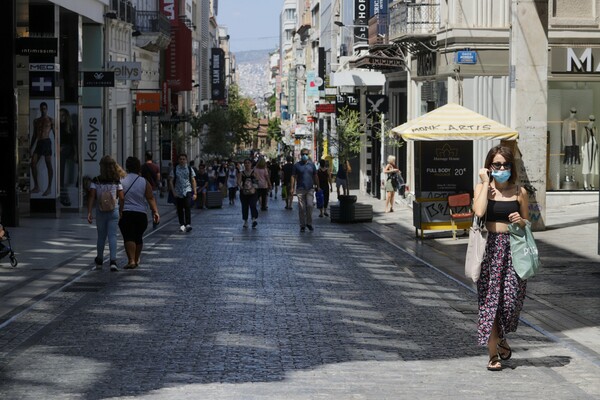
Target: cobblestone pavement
[[269, 313]]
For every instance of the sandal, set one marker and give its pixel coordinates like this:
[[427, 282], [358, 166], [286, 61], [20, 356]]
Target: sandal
[[504, 350], [494, 364]]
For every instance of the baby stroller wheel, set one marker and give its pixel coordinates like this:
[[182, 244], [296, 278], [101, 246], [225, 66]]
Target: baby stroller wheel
[[13, 261]]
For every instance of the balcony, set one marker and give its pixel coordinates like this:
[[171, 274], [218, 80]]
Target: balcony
[[122, 10], [408, 19], [153, 30], [305, 24]]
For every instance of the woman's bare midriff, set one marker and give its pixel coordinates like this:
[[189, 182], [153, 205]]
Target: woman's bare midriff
[[497, 227]]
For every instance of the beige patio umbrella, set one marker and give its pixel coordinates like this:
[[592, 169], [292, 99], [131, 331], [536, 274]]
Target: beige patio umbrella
[[454, 122]]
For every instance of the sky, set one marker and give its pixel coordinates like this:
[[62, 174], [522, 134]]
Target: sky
[[251, 24]]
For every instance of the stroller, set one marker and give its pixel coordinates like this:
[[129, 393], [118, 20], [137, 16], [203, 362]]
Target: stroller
[[7, 250]]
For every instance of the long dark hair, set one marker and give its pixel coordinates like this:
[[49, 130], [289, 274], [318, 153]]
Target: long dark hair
[[508, 156]]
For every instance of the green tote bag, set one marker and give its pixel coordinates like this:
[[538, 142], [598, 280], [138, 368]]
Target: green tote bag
[[525, 258]]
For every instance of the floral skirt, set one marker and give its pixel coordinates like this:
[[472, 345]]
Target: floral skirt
[[500, 290]]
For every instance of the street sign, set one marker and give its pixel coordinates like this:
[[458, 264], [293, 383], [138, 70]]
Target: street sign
[[466, 57]]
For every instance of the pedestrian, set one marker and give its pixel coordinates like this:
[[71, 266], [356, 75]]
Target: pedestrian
[[341, 178], [232, 181], [501, 292], [274, 171], [202, 186], [288, 170], [151, 172], [104, 191], [182, 184], [264, 182], [304, 180], [391, 183], [137, 195], [324, 175], [248, 185], [222, 177]]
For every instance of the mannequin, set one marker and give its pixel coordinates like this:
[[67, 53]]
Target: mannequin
[[589, 154], [570, 145]]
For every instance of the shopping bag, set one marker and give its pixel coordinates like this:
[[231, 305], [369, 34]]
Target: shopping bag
[[475, 249], [525, 257], [320, 198]]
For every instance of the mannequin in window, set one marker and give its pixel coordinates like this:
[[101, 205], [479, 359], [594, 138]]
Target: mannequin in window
[[570, 145], [589, 154]]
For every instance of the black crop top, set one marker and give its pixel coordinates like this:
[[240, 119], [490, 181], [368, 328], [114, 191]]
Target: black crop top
[[498, 211]]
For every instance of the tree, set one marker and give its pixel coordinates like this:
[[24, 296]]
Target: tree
[[274, 130], [221, 129], [349, 132]]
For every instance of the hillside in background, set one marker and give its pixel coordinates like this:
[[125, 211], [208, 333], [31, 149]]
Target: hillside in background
[[253, 72]]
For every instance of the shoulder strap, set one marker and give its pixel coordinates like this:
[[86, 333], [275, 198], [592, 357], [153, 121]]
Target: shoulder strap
[[130, 186]]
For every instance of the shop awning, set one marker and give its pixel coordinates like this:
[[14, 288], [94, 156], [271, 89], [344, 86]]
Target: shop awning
[[454, 122], [357, 77]]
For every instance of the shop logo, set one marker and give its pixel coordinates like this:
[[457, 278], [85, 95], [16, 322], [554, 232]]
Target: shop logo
[[581, 63]]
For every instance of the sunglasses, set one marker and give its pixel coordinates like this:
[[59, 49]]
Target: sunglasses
[[498, 165]]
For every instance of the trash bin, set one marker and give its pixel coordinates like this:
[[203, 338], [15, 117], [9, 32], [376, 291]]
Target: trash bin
[[347, 208]]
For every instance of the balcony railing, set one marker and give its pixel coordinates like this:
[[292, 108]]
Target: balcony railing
[[152, 21], [408, 19], [124, 10]]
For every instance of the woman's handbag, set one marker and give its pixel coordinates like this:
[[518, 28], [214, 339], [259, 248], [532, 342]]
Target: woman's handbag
[[523, 249], [475, 249]]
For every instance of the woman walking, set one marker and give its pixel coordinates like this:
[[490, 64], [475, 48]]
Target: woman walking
[[182, 183], [324, 176], [134, 220], [232, 182], [264, 182], [248, 184], [105, 189], [500, 290], [391, 183]]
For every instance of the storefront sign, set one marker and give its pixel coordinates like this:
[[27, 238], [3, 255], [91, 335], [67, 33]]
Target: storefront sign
[[179, 58], [41, 84], [575, 60], [377, 103], [217, 74], [147, 102], [169, 9], [325, 108], [131, 71], [44, 67], [92, 140], [312, 88], [361, 17], [36, 46], [99, 79], [443, 167]]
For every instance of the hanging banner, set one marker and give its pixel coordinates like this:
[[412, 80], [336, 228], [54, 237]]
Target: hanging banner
[[69, 155], [312, 89], [91, 146], [217, 73], [147, 102], [42, 149]]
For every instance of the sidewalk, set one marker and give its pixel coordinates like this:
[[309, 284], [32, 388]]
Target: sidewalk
[[51, 252], [562, 301]]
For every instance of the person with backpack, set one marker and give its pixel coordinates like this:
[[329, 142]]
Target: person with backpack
[[248, 184], [105, 190], [182, 184], [151, 172]]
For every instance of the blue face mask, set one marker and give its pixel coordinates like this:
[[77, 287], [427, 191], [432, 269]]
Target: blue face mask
[[501, 176], [304, 157]]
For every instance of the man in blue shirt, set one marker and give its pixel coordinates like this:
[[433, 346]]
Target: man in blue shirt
[[304, 181], [182, 182]]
